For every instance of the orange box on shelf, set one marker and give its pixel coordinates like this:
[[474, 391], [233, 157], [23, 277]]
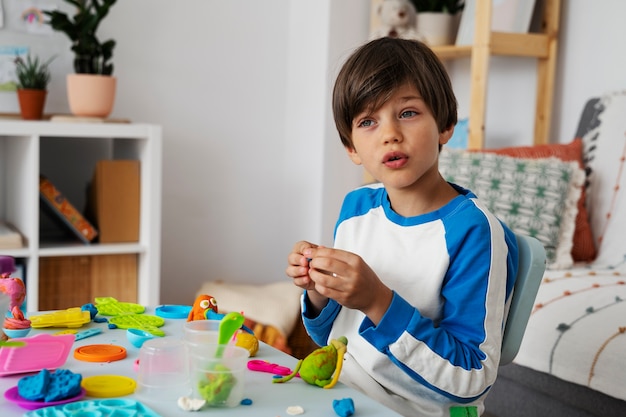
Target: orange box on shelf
[[115, 200]]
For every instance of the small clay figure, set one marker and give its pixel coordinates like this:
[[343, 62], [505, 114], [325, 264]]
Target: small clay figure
[[322, 366]]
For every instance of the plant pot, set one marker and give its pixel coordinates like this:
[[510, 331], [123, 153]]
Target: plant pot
[[438, 28], [91, 95], [31, 102]]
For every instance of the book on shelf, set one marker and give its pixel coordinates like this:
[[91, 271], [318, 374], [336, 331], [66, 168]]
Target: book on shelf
[[10, 237], [65, 211]]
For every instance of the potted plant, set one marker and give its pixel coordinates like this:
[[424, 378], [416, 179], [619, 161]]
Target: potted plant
[[91, 90], [438, 20], [33, 77]]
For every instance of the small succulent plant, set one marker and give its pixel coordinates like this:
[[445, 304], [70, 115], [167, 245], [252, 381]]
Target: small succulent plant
[[32, 73]]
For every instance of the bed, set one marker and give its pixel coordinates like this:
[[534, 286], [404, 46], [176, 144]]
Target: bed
[[572, 361]]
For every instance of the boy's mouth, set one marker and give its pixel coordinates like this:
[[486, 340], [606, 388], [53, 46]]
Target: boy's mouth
[[394, 159]]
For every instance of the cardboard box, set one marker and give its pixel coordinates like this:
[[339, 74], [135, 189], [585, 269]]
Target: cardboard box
[[115, 200]]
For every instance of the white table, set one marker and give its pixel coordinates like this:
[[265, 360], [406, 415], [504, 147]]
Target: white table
[[268, 399]]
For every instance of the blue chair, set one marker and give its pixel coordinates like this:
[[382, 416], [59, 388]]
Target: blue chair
[[532, 265]]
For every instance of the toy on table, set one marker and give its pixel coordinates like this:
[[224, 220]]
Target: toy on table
[[201, 306], [17, 325], [38, 352], [344, 407], [72, 317], [205, 308], [121, 406], [4, 305], [265, 366], [229, 324], [138, 337], [129, 316], [322, 366], [172, 311], [47, 387], [247, 341]]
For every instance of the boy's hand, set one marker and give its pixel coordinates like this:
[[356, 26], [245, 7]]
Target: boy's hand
[[347, 279], [298, 269], [298, 265]]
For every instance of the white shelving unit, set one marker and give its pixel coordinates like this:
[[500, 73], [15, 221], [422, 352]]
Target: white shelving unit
[[72, 149]]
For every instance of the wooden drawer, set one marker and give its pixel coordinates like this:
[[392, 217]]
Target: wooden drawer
[[71, 281]]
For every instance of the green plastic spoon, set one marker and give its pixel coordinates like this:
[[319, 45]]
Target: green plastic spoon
[[229, 324]]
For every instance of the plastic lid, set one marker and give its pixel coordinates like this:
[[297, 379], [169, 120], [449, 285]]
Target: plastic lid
[[100, 353], [173, 311], [105, 386]]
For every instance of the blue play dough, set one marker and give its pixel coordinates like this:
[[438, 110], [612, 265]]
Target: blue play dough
[[34, 387], [48, 387], [344, 407], [63, 384], [91, 308]]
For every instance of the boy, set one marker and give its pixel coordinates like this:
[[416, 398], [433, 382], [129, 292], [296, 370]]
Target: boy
[[421, 273]]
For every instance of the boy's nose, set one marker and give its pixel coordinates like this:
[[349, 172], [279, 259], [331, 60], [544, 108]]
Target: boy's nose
[[391, 133]]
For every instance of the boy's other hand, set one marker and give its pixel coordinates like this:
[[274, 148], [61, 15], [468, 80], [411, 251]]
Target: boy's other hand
[[298, 265], [348, 279]]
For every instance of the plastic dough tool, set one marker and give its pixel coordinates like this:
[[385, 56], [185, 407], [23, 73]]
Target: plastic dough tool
[[109, 306], [173, 311], [129, 316], [229, 324], [72, 317], [148, 324], [13, 395], [118, 407], [40, 351]]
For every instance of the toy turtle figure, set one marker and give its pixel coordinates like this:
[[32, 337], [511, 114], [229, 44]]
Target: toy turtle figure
[[322, 366]]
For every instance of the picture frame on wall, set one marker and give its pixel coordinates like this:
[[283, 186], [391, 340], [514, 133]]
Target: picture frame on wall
[[506, 16]]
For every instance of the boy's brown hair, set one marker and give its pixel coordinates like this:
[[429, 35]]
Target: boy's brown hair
[[377, 69]]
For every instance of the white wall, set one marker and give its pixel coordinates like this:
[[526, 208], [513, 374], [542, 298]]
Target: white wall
[[592, 60], [242, 89]]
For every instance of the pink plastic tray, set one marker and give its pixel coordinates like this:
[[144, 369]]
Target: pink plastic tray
[[12, 394], [41, 351]]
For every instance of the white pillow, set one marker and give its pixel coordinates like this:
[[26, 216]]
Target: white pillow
[[535, 197], [276, 304], [604, 149]]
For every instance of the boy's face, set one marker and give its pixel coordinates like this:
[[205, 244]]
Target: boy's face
[[398, 143]]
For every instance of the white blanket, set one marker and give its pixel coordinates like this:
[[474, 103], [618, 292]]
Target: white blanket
[[577, 331]]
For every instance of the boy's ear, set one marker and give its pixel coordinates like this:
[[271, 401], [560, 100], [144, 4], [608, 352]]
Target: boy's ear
[[445, 136], [354, 156]]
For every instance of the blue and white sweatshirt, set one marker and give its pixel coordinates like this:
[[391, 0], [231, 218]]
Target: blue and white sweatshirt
[[452, 272]]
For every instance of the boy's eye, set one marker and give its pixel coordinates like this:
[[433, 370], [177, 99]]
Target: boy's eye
[[408, 113], [365, 123]]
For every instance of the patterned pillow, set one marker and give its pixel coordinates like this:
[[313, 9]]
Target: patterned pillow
[[535, 197], [584, 248]]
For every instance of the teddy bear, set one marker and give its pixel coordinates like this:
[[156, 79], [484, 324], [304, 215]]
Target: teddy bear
[[397, 20]]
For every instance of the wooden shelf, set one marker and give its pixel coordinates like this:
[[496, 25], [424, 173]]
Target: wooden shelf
[[28, 149], [534, 45], [542, 46]]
